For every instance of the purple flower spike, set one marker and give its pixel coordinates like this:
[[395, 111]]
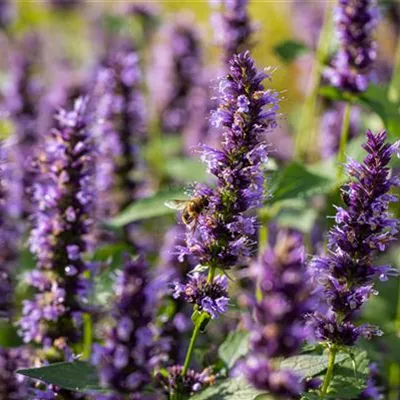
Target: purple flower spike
[[233, 27], [223, 234], [60, 235], [356, 21], [209, 297], [129, 353], [279, 328], [363, 229]]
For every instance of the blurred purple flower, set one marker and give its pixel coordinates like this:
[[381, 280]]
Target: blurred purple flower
[[126, 360], [363, 229], [232, 27], [176, 72], [7, 13], [356, 21], [279, 327], [66, 4], [63, 194]]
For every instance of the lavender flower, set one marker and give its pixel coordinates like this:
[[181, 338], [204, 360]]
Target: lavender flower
[[355, 25], [128, 355], [176, 384], [7, 12], [372, 391], [363, 229], [22, 97], [176, 73], [211, 297], [279, 328], [223, 234], [233, 28], [62, 223], [13, 386], [123, 127]]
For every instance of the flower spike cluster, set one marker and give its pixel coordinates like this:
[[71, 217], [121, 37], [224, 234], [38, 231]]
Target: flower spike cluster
[[223, 235], [363, 229], [279, 327], [62, 224], [126, 360], [124, 124], [233, 27], [356, 21]]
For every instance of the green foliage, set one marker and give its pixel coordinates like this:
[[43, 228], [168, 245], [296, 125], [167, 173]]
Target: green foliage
[[235, 346], [8, 335], [149, 207], [350, 376], [185, 170], [78, 376], [296, 181], [229, 389], [289, 50]]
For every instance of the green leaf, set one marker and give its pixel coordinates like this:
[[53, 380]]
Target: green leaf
[[297, 215], [289, 50], [309, 365], [186, 170], [296, 181], [78, 376], [310, 396], [9, 335], [234, 347], [350, 377], [230, 389], [150, 207]]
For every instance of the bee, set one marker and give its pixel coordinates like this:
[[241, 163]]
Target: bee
[[191, 209]]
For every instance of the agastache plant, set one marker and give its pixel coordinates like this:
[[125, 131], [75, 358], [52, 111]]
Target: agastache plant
[[278, 326], [364, 228], [63, 194], [220, 231], [356, 21], [123, 127], [129, 354], [233, 28]]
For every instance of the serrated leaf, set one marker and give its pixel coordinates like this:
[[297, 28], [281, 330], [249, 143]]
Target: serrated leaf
[[150, 207], [289, 50], [234, 347], [77, 376], [296, 181], [230, 389], [350, 376], [309, 365]]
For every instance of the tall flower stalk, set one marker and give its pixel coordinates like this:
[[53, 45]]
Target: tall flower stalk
[[350, 69], [220, 236], [364, 228], [233, 27], [278, 328], [63, 194]]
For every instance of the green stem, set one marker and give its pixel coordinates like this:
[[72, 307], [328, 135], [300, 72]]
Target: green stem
[[306, 136], [211, 274], [394, 87], [192, 344], [329, 372], [344, 138], [87, 336]]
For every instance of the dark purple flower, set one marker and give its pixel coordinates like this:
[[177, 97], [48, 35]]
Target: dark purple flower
[[174, 383], [356, 21], [232, 27], [65, 4], [12, 385], [120, 77], [223, 234], [279, 327], [129, 353], [373, 391], [211, 297], [176, 73], [63, 195], [363, 229]]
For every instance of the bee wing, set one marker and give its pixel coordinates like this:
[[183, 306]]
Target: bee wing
[[176, 204]]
